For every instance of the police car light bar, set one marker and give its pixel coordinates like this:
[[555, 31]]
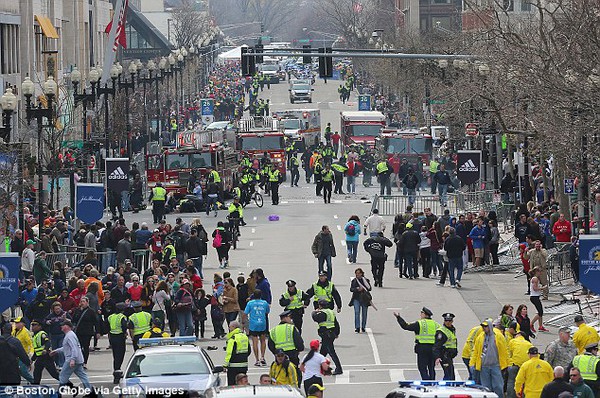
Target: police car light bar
[[435, 383], [157, 341]]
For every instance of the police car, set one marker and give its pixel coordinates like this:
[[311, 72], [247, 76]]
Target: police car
[[261, 391], [168, 367], [440, 389]]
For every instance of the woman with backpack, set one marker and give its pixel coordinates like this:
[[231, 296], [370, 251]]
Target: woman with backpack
[[222, 243], [352, 230]]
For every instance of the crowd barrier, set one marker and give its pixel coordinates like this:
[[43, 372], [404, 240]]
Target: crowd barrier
[[74, 256]]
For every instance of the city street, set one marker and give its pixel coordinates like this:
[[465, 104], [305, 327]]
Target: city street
[[373, 361]]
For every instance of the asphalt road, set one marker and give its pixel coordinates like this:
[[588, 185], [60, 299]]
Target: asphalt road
[[374, 361]]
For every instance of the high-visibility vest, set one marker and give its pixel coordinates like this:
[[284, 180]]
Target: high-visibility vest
[[283, 337], [274, 175], [172, 251], [159, 193], [239, 208], [318, 169], [433, 166], [323, 293], [451, 341], [141, 322], [246, 162], [427, 328], [295, 300], [114, 323], [587, 366], [329, 323], [339, 168], [216, 178], [295, 161], [382, 167], [242, 346], [327, 176], [38, 345]]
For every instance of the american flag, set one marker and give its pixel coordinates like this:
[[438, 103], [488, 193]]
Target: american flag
[[120, 37]]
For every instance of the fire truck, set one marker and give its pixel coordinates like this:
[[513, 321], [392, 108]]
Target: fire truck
[[358, 127], [300, 125], [408, 143], [257, 136], [194, 152]]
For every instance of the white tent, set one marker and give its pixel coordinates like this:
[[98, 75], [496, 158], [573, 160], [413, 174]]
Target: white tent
[[231, 55]]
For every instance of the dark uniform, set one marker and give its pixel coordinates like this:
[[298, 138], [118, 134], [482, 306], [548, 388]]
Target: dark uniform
[[275, 179], [139, 323], [424, 329], [41, 353], [117, 336], [323, 289], [158, 198], [294, 169], [329, 330], [327, 177], [339, 169], [293, 300], [318, 170], [445, 346], [375, 246]]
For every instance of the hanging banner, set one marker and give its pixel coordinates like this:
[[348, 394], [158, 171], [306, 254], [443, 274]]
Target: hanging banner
[[89, 202], [469, 166], [117, 174], [589, 262], [10, 264]]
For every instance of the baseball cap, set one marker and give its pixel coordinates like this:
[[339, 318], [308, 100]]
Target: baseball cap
[[30, 242], [533, 351], [314, 344]]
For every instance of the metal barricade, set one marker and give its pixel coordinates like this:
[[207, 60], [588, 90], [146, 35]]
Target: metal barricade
[[74, 256], [559, 266], [390, 205]]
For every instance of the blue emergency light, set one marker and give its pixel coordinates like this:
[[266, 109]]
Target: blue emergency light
[[436, 383], [158, 341]]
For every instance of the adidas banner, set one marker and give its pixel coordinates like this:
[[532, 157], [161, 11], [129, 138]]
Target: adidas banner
[[89, 202], [469, 166], [117, 174]]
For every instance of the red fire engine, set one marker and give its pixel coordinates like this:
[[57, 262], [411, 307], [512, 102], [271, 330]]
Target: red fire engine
[[257, 136], [194, 153], [409, 144], [358, 127]]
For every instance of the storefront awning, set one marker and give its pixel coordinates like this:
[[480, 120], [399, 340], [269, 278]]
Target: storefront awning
[[48, 29]]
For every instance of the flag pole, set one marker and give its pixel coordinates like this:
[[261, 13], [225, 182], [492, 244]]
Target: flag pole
[[109, 53]]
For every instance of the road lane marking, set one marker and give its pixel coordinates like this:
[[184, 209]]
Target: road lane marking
[[251, 243], [311, 201], [283, 202], [339, 227], [247, 264], [344, 378], [337, 201], [374, 346], [397, 375], [457, 375], [253, 230], [254, 218], [335, 216]]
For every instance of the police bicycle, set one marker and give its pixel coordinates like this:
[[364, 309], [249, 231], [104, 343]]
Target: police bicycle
[[250, 195], [234, 228]]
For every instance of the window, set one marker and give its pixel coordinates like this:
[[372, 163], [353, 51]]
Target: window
[[525, 5], [440, 1], [9, 49]]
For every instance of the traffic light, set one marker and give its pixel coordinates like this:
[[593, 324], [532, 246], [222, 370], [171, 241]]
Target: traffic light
[[325, 63], [259, 49], [248, 62], [306, 50]]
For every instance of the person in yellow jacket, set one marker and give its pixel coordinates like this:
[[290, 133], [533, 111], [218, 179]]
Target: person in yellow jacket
[[282, 371], [23, 335], [492, 360], [518, 354], [237, 352], [533, 375], [585, 335], [156, 331], [468, 349]]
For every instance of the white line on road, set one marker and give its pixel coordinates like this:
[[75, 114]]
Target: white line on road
[[251, 243], [284, 202], [337, 201], [311, 201], [253, 230], [339, 227], [457, 375], [247, 264], [335, 216], [344, 378], [374, 346], [396, 375], [394, 309]]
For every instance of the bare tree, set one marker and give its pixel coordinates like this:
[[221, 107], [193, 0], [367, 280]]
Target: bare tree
[[189, 25]]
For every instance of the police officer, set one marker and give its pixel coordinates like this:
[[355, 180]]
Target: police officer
[[318, 171], [156, 331], [294, 169], [339, 169], [236, 210], [275, 179], [286, 337], [158, 196], [445, 346], [327, 154], [587, 363], [327, 177], [329, 330], [237, 352], [139, 323], [213, 176], [293, 300], [323, 289], [41, 353], [424, 329], [384, 170], [117, 336]]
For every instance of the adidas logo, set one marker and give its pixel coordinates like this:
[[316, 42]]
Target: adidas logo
[[117, 174], [468, 166]]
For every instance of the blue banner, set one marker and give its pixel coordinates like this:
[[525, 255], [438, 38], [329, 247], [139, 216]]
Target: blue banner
[[10, 264], [589, 262], [364, 102], [207, 107], [89, 202]]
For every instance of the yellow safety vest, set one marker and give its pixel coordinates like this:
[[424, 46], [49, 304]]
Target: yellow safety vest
[[323, 293], [233, 208], [327, 176], [242, 346], [38, 345], [159, 193], [173, 252], [283, 337], [329, 323], [433, 166], [295, 300], [382, 167], [451, 341], [274, 175], [114, 322], [427, 328], [339, 168], [587, 366], [215, 176], [141, 322]]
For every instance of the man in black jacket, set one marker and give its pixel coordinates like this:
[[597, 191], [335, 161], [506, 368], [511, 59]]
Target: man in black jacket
[[11, 351], [196, 249], [454, 247], [409, 246], [558, 385], [375, 246]]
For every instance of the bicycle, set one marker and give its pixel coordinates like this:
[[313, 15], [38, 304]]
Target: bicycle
[[254, 196], [234, 228]]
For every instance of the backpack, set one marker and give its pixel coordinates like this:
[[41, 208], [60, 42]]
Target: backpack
[[351, 230], [217, 240]]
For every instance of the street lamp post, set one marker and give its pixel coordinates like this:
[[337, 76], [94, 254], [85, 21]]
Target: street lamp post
[[147, 79], [115, 72], [124, 84], [50, 89], [8, 103]]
